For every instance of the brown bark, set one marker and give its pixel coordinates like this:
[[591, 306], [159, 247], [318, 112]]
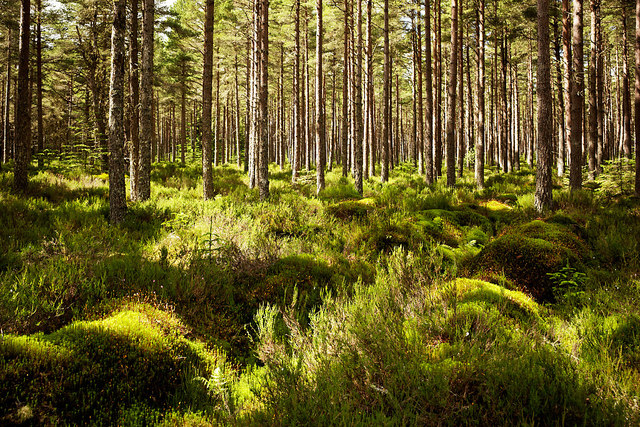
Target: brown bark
[[263, 96], [23, 103], [577, 98], [637, 99], [207, 83], [593, 106], [6, 137], [386, 99], [428, 135], [451, 97], [117, 198], [134, 96], [320, 119], [146, 101], [479, 165], [626, 92], [543, 195], [39, 112]]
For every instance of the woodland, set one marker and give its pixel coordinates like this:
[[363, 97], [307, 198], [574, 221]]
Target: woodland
[[254, 212]]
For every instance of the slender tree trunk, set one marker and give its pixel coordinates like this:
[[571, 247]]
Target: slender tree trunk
[[543, 196], [146, 101], [40, 135], [568, 79], [593, 106], [207, 83], [320, 124], [451, 97], [183, 118], [419, 136], [134, 96], [438, 96], [345, 92], [23, 103], [6, 138], [626, 92], [637, 99], [357, 68], [577, 99], [117, 197], [428, 137], [386, 99], [479, 165], [460, 130], [297, 124], [263, 97]]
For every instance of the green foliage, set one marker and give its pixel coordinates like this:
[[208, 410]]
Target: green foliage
[[568, 284]]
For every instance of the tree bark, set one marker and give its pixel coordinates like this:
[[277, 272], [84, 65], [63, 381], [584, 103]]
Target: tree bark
[[320, 119], [479, 165], [146, 101], [263, 97], [626, 92], [577, 98], [451, 97], [134, 94], [23, 103], [6, 137], [117, 197], [207, 83], [637, 99], [593, 106], [543, 195], [428, 135], [40, 134], [386, 99]]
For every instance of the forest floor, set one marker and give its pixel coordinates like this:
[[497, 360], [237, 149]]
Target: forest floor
[[410, 305]]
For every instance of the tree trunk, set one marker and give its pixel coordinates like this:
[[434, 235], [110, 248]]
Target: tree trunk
[[134, 94], [345, 92], [419, 136], [23, 103], [593, 106], [637, 99], [146, 101], [479, 165], [428, 136], [577, 99], [451, 97], [6, 137], [386, 98], [320, 140], [40, 135], [543, 195], [207, 83], [263, 97], [357, 69], [117, 197], [626, 92], [568, 79]]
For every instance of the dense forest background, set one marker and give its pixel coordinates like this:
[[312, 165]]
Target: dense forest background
[[351, 212]]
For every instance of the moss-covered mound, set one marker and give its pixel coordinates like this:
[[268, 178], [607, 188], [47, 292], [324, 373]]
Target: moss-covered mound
[[93, 371], [525, 255], [351, 209]]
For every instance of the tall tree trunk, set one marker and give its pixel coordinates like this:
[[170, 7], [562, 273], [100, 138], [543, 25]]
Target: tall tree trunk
[[428, 136], [207, 83], [451, 97], [577, 98], [40, 135], [297, 124], [543, 195], [438, 96], [345, 92], [386, 99], [23, 103], [117, 197], [6, 137], [357, 69], [146, 101], [134, 94], [320, 140], [369, 136], [626, 92], [568, 78], [460, 130], [263, 97], [419, 136], [479, 165], [183, 117], [637, 99], [593, 106]]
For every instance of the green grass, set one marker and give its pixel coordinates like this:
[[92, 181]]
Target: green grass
[[413, 304]]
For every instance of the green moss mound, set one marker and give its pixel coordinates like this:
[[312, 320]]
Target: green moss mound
[[525, 254], [350, 209], [92, 371]]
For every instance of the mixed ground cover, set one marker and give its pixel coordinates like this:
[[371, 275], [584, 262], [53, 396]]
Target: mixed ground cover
[[410, 305]]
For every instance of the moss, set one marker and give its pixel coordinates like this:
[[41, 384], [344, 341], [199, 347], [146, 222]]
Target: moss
[[527, 253], [350, 209], [93, 370]]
